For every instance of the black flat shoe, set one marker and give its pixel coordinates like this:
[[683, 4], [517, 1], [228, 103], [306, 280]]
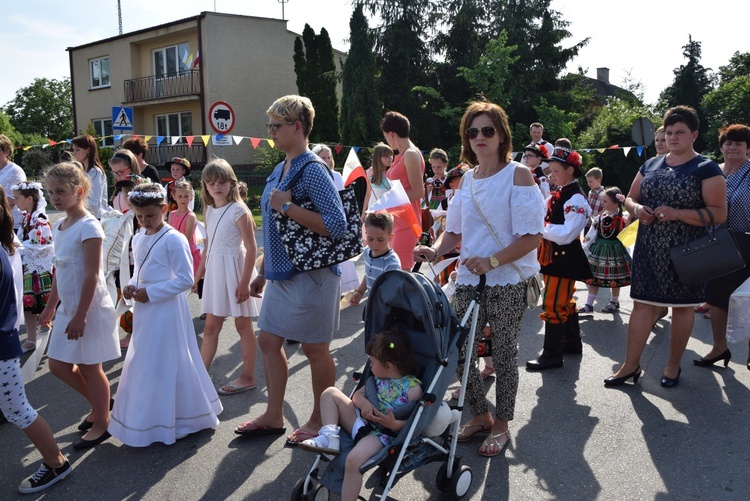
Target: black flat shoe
[[708, 362], [613, 381], [668, 382], [87, 444], [545, 362], [87, 425]]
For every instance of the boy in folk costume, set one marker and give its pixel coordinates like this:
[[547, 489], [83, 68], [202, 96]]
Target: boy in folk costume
[[563, 260]]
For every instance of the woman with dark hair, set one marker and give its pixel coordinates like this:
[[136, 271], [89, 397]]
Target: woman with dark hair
[[497, 217], [408, 168], [734, 142], [668, 196], [86, 152]]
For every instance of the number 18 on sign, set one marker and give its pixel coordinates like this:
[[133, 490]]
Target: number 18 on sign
[[221, 117]]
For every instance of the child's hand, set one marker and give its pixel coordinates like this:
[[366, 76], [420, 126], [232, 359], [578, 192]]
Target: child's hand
[[75, 327], [242, 293], [256, 286], [141, 295], [128, 291], [45, 317], [355, 298], [386, 420]]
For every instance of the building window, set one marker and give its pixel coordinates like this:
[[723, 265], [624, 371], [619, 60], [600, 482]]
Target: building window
[[99, 72], [172, 61], [103, 128], [175, 124]]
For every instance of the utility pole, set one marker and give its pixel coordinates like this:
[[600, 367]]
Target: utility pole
[[282, 2], [119, 16]]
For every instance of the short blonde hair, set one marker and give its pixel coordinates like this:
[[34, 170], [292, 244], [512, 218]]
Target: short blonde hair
[[6, 145], [219, 169], [294, 108], [71, 174]]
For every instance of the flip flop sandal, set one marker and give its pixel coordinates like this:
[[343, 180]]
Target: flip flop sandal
[[231, 389], [702, 309], [257, 431], [481, 429], [493, 442], [299, 435], [487, 372]]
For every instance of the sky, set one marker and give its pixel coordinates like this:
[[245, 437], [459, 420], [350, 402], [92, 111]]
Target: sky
[[642, 37]]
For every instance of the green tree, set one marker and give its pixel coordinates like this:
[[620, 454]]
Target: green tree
[[360, 104], [726, 105], [45, 107], [315, 70], [739, 65], [692, 81], [612, 126]]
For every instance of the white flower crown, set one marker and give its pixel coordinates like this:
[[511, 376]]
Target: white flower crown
[[162, 193], [26, 186]]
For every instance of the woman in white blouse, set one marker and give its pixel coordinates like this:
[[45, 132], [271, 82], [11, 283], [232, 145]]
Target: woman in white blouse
[[496, 202], [86, 152]]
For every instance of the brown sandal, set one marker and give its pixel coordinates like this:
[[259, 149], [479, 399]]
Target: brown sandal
[[463, 436], [493, 442]]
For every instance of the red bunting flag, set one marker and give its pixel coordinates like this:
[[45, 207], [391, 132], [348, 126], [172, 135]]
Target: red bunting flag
[[190, 140], [338, 149], [51, 142], [255, 141]]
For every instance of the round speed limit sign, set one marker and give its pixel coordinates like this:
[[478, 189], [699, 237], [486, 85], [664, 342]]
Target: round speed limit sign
[[221, 117]]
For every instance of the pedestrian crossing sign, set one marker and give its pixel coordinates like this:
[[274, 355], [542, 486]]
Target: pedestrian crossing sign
[[122, 118]]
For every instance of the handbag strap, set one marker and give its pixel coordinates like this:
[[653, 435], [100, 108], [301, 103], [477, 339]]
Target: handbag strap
[[216, 230], [298, 174], [489, 228]]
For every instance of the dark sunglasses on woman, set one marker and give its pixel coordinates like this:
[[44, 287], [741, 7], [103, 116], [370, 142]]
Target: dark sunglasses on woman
[[487, 131]]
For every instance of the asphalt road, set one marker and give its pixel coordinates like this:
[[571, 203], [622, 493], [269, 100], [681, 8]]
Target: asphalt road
[[572, 439]]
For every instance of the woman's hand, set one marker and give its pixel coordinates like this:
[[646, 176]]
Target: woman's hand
[[128, 291], [477, 265], [257, 285], [645, 214], [422, 254], [75, 327], [664, 213], [279, 198]]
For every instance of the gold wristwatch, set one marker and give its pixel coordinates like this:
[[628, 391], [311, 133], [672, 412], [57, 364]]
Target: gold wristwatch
[[494, 262]]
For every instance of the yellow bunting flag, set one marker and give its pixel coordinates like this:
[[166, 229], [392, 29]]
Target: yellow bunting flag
[[205, 140], [270, 142]]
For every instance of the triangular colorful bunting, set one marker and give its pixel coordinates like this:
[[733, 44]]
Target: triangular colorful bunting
[[147, 138], [255, 141], [174, 139], [237, 139], [338, 149], [600, 150], [639, 149], [190, 140], [118, 137], [205, 139], [159, 140], [270, 142], [626, 150], [356, 149]]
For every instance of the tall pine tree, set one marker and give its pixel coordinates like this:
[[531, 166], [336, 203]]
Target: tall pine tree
[[692, 81], [360, 105]]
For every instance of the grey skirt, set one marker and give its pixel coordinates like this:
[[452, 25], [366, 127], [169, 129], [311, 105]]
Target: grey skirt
[[304, 308]]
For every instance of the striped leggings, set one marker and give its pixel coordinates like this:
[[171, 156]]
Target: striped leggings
[[558, 301]]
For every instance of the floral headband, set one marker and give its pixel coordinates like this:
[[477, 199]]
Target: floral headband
[[620, 197], [162, 193], [33, 185]]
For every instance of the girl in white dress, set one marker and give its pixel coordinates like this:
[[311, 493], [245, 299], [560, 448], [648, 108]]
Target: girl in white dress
[[165, 392], [227, 266], [85, 333], [86, 152]]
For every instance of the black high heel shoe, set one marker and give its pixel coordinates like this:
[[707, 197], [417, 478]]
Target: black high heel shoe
[[708, 362], [612, 381], [668, 382]]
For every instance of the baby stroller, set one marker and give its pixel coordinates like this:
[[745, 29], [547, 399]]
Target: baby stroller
[[422, 312]]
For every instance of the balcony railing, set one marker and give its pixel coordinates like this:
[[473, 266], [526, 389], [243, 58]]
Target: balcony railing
[[159, 155], [185, 83]]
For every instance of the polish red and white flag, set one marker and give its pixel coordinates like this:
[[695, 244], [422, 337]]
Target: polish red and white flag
[[396, 202]]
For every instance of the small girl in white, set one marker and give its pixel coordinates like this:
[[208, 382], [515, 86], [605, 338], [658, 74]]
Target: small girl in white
[[165, 392], [35, 234], [227, 267], [85, 334]]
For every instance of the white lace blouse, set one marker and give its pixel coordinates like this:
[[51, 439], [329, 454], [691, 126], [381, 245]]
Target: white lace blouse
[[512, 211]]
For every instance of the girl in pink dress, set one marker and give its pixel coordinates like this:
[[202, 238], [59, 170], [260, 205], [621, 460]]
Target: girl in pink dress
[[408, 168], [183, 219]]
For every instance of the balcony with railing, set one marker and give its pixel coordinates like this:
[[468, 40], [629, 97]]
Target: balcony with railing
[[182, 84], [159, 155]]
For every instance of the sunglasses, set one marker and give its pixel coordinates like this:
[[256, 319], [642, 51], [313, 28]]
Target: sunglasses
[[487, 131]]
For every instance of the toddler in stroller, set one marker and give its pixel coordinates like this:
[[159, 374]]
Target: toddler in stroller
[[372, 425], [402, 437]]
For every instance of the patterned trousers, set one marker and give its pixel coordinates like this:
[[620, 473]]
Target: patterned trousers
[[503, 307]]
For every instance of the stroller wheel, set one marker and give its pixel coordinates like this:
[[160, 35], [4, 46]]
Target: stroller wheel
[[442, 482], [298, 489], [319, 493], [461, 482]]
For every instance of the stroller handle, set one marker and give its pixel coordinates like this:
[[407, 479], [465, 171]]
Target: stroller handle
[[480, 288]]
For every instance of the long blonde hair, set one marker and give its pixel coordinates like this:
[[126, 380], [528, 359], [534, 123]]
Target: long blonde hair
[[378, 172], [219, 169]]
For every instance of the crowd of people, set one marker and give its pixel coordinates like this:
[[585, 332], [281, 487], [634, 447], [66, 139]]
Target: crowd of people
[[502, 219]]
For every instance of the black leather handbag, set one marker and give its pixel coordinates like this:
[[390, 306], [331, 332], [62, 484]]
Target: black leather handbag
[[713, 255], [311, 251]]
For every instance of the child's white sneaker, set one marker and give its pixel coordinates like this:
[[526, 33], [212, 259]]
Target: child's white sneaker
[[327, 441]]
